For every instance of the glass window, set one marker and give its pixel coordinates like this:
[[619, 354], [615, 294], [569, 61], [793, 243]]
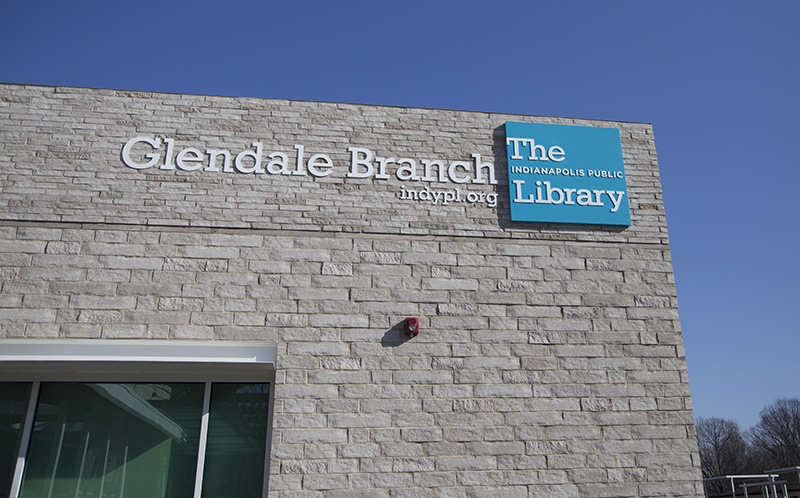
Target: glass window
[[118, 440], [237, 441], [13, 407]]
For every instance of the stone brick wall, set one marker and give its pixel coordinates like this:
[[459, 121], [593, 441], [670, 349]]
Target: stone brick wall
[[550, 361]]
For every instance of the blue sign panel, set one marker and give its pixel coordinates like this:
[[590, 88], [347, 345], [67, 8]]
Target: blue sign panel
[[566, 174]]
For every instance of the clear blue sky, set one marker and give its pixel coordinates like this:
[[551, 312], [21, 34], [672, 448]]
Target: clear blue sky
[[718, 80]]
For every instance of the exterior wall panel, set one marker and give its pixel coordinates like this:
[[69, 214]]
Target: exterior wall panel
[[550, 361]]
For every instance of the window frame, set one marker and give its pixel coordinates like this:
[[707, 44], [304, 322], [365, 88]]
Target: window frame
[[97, 360]]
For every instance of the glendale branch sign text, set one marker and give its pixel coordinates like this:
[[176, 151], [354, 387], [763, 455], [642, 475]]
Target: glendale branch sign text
[[423, 175]]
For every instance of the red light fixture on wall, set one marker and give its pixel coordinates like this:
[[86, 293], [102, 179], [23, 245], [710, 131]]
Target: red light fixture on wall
[[411, 326]]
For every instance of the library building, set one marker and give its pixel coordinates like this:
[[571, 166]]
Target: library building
[[206, 296]]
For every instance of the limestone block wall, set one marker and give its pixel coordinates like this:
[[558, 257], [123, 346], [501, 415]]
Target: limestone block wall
[[550, 361]]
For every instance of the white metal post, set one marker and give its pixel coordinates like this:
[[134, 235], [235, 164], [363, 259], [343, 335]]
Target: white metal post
[[201, 447], [25, 440]]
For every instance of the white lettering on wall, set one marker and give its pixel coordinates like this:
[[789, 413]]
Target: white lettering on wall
[[241, 167], [536, 152], [126, 152], [357, 163], [545, 193], [193, 157], [144, 152]]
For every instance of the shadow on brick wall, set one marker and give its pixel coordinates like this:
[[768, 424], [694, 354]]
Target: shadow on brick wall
[[395, 336]]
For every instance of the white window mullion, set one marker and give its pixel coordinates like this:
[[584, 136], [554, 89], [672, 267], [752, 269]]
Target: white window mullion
[[201, 448], [27, 429], [268, 442]]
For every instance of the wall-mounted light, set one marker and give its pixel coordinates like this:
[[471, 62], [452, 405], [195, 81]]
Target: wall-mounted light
[[411, 326]]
